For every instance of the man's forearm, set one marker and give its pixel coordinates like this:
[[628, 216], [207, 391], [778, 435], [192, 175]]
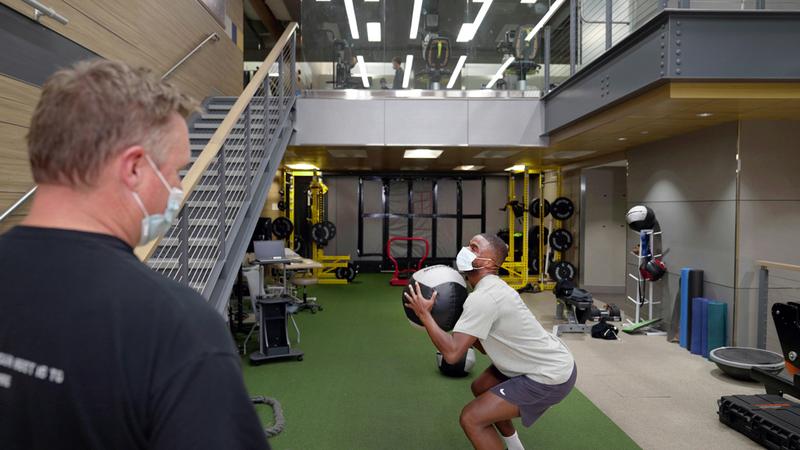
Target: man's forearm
[[441, 340]]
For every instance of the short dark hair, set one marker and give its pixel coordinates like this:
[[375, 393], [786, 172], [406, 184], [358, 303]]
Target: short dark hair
[[397, 60], [498, 247]]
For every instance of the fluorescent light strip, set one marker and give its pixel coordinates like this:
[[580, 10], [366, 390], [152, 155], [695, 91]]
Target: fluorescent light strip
[[362, 67], [467, 32], [407, 71], [415, 19], [374, 31], [553, 9], [351, 18], [500, 71], [456, 71]]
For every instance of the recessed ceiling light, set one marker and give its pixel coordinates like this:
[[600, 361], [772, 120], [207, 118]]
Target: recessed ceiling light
[[644, 132], [468, 167], [515, 168], [351, 18], [543, 21], [362, 67], [468, 30], [500, 72], [496, 154], [422, 153], [705, 114], [302, 166], [347, 153], [407, 71], [456, 71], [622, 139], [570, 154], [415, 19], [374, 31]]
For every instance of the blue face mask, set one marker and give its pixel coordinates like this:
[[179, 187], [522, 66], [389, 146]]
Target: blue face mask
[[155, 225]]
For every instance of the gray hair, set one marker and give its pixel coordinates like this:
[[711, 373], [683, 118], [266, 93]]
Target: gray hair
[[90, 112]]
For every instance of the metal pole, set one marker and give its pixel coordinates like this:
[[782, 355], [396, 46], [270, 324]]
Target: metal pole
[[247, 152], [546, 59], [609, 23], [293, 63], [683, 4], [761, 4], [267, 122], [763, 302], [221, 207], [573, 35], [183, 243], [281, 86]]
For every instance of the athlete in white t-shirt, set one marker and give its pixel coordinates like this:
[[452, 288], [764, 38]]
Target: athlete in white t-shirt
[[531, 369]]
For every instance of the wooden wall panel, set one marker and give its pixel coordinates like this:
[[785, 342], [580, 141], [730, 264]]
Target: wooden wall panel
[[17, 101], [156, 34]]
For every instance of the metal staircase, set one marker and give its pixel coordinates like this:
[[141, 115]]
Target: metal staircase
[[237, 144]]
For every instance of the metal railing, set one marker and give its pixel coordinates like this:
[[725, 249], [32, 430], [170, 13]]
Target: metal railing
[[211, 37], [226, 185], [17, 204], [40, 9]]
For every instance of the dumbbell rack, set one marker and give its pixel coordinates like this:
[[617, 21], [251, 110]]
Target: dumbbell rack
[[648, 294]]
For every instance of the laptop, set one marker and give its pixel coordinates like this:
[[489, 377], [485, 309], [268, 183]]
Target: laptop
[[267, 251]]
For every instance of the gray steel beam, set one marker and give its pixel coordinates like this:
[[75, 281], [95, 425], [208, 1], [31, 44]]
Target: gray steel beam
[[681, 44]]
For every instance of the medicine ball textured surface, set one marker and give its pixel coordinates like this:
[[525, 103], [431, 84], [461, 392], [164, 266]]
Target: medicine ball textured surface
[[451, 293], [640, 218]]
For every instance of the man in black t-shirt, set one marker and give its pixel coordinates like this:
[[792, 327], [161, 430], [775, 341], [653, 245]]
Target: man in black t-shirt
[[97, 351]]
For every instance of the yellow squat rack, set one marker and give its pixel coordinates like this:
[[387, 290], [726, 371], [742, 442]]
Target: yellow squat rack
[[316, 198]]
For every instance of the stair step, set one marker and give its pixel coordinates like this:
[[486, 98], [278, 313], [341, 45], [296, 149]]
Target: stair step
[[215, 188], [193, 242], [175, 263], [206, 222], [238, 126], [212, 116], [209, 204], [228, 173]]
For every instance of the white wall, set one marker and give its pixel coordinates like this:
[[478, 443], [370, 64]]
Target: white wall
[[604, 229]]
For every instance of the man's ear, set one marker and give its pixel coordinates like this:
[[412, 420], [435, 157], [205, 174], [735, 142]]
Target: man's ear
[[130, 166]]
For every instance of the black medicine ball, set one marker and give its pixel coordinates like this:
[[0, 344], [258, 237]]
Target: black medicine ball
[[451, 293]]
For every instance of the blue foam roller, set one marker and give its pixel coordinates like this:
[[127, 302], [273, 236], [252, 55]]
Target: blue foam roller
[[717, 329], [704, 327], [691, 287], [696, 346]]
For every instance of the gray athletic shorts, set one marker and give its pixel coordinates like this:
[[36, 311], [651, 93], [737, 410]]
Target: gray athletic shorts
[[532, 398]]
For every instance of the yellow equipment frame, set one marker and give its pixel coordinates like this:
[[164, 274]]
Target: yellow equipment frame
[[518, 271], [318, 190]]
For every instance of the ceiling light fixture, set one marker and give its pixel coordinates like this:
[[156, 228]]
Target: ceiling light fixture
[[644, 132], [351, 18], [374, 31], [456, 71], [422, 153], [622, 139], [302, 166], [469, 167], [553, 8], [407, 71], [362, 67], [468, 30], [515, 168], [705, 114], [415, 19], [500, 71]]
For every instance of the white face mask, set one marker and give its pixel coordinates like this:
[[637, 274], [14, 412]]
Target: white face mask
[[155, 225], [465, 258]]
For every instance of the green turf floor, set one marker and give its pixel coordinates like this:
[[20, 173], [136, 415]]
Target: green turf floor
[[369, 381]]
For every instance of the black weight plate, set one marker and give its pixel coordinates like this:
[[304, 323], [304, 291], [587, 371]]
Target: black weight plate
[[282, 227], [331, 229], [319, 233], [352, 271], [562, 208], [564, 271], [561, 240], [341, 273], [533, 265], [533, 235], [299, 245], [534, 208], [281, 205]]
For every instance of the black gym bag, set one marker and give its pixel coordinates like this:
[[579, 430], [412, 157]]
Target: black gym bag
[[604, 330]]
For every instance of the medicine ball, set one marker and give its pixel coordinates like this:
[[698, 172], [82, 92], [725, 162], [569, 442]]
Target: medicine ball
[[640, 218], [451, 293], [459, 369]]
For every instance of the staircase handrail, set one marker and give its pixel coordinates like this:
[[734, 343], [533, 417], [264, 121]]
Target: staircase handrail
[[214, 145]]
